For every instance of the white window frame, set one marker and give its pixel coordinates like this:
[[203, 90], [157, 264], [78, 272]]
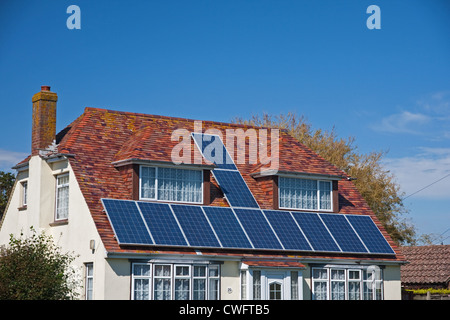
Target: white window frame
[[89, 285], [58, 187], [376, 285], [318, 181], [151, 278], [24, 185], [156, 198]]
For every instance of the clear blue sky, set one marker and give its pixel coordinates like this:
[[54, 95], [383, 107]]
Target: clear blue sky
[[216, 59]]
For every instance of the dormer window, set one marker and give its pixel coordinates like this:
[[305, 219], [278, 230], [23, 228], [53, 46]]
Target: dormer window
[[305, 194], [171, 184]]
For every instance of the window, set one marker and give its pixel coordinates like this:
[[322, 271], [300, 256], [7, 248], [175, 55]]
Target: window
[[62, 197], [141, 282], [308, 194], [346, 284], [170, 184], [24, 193], [175, 281], [89, 280], [320, 284]]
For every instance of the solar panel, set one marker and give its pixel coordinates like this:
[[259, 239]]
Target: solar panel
[[258, 229], [287, 230], [370, 234], [313, 228], [150, 223], [162, 224], [213, 150], [126, 221], [227, 227], [343, 233], [235, 189], [195, 226]]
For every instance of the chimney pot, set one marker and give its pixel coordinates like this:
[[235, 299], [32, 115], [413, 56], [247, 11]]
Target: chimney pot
[[45, 88]]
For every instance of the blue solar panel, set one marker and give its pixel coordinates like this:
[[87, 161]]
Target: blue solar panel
[[195, 226], [287, 230], [162, 224], [235, 189], [343, 233], [149, 223], [126, 222], [213, 150], [370, 234], [315, 231], [258, 229], [227, 227]]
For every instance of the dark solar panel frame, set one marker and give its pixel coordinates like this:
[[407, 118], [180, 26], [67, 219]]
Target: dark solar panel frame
[[195, 226], [258, 229], [227, 227], [162, 224], [370, 234], [343, 233], [226, 162], [290, 235], [317, 233], [235, 189], [127, 222]]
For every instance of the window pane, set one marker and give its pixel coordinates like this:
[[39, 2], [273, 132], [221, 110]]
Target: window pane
[[199, 289], [325, 195], [299, 193], [62, 197], [275, 291], [182, 271], [181, 289], [141, 289], [294, 285], [337, 290], [180, 185], [256, 285], [320, 290], [141, 270], [320, 274], [148, 175], [162, 289], [354, 289], [199, 271], [213, 289]]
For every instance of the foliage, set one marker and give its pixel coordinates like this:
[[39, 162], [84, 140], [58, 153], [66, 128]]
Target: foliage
[[34, 269], [376, 185], [431, 290], [7, 180]]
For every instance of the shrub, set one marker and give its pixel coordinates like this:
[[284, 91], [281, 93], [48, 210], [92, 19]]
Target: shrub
[[33, 268]]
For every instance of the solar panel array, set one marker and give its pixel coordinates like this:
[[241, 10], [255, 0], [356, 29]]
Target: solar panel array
[[226, 173], [162, 224]]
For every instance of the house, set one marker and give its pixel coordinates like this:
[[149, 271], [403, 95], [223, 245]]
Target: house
[[428, 267], [169, 208]]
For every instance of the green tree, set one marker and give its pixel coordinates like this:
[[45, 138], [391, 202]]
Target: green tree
[[376, 185], [33, 268], [7, 180]]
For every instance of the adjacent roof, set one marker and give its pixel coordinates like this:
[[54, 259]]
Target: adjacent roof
[[427, 265], [99, 138]]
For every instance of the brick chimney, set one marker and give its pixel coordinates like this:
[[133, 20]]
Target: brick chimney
[[44, 119]]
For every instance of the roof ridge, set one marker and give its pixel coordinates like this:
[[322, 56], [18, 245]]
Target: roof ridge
[[87, 109]]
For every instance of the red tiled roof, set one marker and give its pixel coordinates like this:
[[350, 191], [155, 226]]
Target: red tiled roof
[[100, 137], [427, 265]]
